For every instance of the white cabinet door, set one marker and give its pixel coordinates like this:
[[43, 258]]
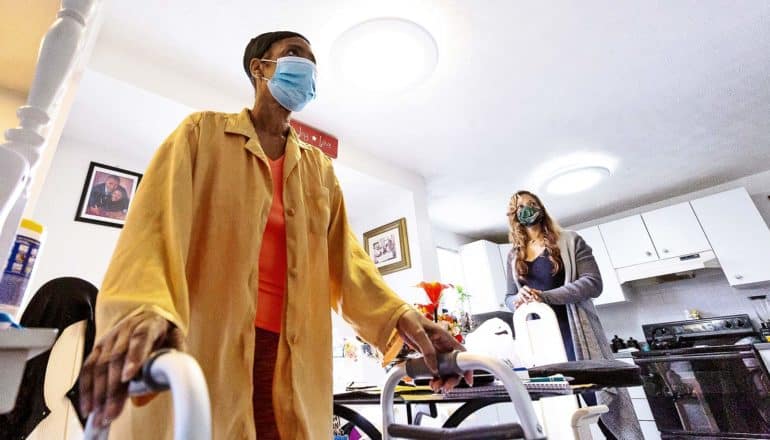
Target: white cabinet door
[[504, 250], [675, 231], [612, 290], [484, 276], [738, 235], [628, 242], [643, 410], [650, 430]]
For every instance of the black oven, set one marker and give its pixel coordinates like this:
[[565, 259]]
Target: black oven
[[705, 392]]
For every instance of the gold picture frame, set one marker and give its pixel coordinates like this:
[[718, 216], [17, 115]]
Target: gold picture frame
[[388, 245]]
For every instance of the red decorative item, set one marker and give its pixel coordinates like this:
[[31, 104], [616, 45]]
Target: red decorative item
[[433, 290], [431, 311], [317, 138]]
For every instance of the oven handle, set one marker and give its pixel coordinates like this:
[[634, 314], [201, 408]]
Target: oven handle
[[693, 357]]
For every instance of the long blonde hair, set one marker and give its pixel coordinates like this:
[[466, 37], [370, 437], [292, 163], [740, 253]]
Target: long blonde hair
[[518, 235]]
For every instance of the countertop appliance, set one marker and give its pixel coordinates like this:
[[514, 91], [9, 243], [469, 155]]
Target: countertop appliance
[[704, 379]]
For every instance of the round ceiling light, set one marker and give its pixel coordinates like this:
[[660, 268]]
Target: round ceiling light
[[384, 55], [576, 180]]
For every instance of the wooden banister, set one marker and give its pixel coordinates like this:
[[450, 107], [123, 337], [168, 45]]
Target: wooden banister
[[61, 50]]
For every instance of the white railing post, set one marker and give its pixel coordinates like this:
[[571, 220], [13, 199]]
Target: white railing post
[[19, 156]]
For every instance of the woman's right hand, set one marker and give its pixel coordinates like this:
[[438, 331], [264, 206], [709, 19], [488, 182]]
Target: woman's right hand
[[527, 295], [116, 358]]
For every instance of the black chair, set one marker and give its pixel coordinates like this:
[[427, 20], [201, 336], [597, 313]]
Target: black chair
[[58, 304]]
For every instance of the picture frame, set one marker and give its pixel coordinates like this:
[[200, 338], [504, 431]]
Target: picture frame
[[388, 246], [108, 193]]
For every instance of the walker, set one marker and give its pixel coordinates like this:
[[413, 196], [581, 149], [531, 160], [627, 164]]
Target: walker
[[455, 363], [543, 332], [180, 373]]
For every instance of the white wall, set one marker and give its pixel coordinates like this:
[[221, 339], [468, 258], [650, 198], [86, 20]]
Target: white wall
[[450, 240], [377, 194], [75, 248], [394, 206], [414, 183]]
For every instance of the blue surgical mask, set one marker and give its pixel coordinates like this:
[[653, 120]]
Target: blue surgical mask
[[293, 83]]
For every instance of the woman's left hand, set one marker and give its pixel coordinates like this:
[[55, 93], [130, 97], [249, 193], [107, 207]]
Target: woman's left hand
[[429, 339]]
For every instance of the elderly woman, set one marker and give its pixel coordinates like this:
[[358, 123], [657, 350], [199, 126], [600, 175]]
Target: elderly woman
[[236, 249], [554, 266]]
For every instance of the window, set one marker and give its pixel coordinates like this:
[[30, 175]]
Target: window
[[450, 268]]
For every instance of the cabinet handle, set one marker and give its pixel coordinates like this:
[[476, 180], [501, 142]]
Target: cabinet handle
[[738, 277], [648, 253], [665, 251]]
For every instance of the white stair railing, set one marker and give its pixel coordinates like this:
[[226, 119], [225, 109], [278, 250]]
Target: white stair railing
[[60, 52]]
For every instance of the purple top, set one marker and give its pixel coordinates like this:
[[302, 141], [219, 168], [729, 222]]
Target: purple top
[[540, 276]]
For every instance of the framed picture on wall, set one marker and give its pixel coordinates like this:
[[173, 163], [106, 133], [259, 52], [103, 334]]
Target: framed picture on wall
[[388, 246], [107, 194]]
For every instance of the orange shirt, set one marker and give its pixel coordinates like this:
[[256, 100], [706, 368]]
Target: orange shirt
[[272, 258]]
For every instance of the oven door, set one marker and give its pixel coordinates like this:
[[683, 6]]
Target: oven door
[[709, 390]]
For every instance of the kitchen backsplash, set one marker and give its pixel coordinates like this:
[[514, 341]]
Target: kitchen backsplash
[[648, 302]]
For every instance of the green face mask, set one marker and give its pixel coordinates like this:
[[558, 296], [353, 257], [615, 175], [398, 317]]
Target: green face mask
[[529, 215]]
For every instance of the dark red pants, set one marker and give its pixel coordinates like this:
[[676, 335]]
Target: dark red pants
[[265, 351]]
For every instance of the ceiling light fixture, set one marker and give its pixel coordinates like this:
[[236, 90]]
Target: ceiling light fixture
[[575, 180], [384, 55]]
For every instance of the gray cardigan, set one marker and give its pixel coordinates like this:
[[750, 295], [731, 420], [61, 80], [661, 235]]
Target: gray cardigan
[[583, 282]]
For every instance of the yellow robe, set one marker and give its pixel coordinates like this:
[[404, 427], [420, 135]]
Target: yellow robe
[[190, 250]]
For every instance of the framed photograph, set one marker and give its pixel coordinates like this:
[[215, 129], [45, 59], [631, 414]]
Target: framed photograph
[[107, 194], [388, 246]]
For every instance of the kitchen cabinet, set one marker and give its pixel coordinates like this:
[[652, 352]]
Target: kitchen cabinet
[[649, 430], [636, 392], [642, 409], [675, 231], [504, 249], [628, 242], [738, 235], [484, 276], [612, 291]]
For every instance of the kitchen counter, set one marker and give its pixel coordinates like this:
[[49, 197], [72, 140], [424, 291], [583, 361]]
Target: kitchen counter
[[625, 354]]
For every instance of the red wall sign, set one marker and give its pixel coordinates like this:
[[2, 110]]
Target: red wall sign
[[317, 138]]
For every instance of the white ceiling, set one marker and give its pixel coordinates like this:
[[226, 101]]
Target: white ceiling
[[676, 93]]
